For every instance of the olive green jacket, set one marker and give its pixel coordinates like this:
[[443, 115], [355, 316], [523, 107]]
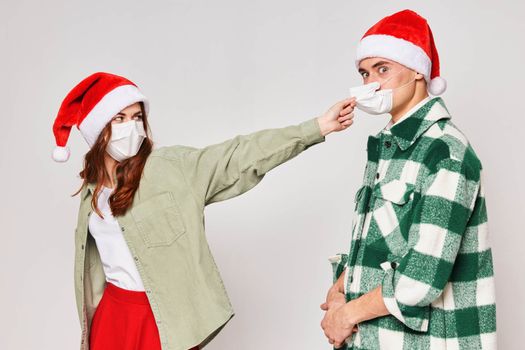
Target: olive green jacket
[[164, 230]]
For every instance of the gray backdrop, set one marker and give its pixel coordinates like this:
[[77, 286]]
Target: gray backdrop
[[216, 69]]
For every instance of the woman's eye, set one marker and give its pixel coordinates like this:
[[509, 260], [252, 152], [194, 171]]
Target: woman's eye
[[383, 69], [138, 117], [117, 119]]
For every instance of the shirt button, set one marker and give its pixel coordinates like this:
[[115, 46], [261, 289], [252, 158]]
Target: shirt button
[[377, 176], [388, 144], [82, 247]]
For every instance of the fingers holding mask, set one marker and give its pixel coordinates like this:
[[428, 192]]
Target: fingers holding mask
[[346, 114], [348, 107], [346, 120]]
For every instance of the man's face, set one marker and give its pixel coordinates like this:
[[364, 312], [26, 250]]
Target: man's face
[[390, 75]]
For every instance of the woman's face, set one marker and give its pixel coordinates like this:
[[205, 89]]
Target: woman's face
[[131, 112]]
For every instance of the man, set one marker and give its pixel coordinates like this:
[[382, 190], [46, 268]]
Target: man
[[419, 274]]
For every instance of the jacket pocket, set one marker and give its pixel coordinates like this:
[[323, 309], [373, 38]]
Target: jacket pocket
[[158, 220], [391, 216], [395, 191]]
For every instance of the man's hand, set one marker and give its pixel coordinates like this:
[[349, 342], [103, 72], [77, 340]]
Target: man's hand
[[337, 325], [338, 117], [335, 296], [340, 321], [335, 299]]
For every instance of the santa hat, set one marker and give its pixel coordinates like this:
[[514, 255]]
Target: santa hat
[[405, 37], [90, 106]]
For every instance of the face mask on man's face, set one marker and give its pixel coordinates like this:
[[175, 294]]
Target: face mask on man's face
[[373, 101], [126, 139]]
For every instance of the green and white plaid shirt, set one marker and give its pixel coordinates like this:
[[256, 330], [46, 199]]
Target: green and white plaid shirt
[[420, 231]]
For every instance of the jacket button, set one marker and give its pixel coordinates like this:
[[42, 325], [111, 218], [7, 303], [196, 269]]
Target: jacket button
[[388, 144], [82, 247], [122, 228], [136, 259], [393, 264], [377, 176]]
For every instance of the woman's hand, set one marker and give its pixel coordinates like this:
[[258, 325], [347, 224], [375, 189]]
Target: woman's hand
[[338, 117]]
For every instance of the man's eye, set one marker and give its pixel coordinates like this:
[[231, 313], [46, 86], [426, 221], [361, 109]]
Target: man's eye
[[364, 74], [383, 69]]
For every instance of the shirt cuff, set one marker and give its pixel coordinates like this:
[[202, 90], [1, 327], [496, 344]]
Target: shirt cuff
[[414, 317], [338, 262], [311, 132]]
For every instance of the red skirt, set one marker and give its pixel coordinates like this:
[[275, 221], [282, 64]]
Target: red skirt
[[123, 320]]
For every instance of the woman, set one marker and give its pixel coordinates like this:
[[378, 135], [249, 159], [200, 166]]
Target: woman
[[144, 275]]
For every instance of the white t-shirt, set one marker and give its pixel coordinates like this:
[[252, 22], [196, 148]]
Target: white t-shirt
[[117, 262]]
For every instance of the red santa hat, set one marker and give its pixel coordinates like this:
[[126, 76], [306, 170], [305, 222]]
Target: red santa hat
[[90, 105], [405, 37]]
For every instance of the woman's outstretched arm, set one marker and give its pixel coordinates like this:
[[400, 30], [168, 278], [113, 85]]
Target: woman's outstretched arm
[[222, 171]]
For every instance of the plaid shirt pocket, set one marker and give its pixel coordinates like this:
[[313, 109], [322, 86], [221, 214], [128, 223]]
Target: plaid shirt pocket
[[392, 204]]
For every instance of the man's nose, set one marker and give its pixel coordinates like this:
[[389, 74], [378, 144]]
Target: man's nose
[[379, 81], [374, 79]]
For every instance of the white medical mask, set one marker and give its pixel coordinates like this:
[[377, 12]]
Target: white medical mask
[[373, 101], [126, 139]]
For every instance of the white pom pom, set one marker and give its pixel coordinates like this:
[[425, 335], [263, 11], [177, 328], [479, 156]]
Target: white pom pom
[[437, 86], [60, 154]]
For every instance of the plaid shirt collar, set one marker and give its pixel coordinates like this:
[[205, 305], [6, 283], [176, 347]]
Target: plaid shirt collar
[[410, 128]]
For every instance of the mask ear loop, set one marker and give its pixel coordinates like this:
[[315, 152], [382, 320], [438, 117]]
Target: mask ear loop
[[390, 78], [410, 82], [399, 87]]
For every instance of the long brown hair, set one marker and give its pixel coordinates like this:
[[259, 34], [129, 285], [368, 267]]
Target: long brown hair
[[128, 171]]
